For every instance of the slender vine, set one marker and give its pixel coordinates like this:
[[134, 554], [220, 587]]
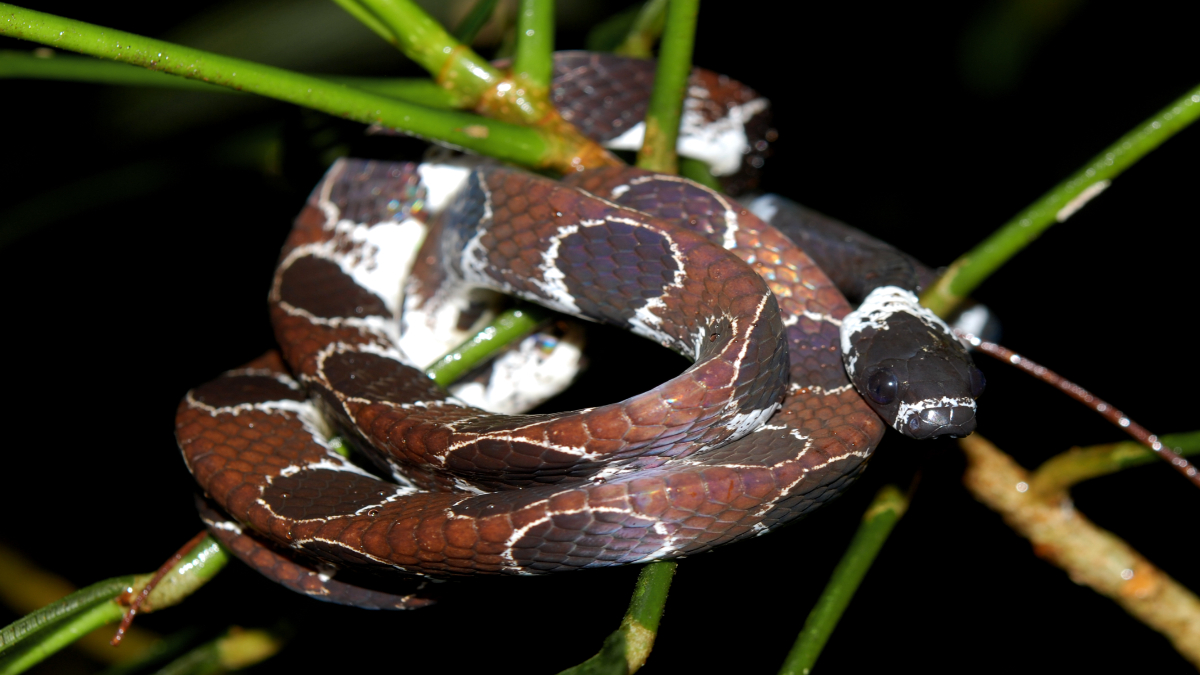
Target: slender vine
[[1060, 203]]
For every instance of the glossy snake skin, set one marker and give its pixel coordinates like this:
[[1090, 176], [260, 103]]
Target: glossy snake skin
[[763, 427]]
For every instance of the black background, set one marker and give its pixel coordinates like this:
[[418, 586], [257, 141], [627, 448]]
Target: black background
[[151, 227]]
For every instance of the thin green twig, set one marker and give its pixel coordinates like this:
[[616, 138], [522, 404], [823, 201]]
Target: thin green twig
[[1062, 471], [68, 67], [46, 642], [533, 62], [237, 648], [452, 64], [1063, 200], [366, 18], [626, 649], [40, 634], [474, 21], [531, 147], [79, 601], [455, 67], [670, 81], [510, 326], [639, 42], [881, 516], [419, 90], [698, 171]]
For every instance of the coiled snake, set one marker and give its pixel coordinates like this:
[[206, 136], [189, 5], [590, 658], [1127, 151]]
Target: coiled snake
[[763, 427]]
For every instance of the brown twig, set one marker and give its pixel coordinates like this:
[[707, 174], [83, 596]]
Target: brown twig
[[1088, 554], [1106, 410]]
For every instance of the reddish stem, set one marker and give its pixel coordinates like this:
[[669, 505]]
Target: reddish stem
[[1106, 410]]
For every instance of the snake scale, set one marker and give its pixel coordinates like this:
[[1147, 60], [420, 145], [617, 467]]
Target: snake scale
[[762, 428]]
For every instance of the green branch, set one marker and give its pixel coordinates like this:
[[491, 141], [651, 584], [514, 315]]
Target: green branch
[[698, 171], [881, 516], [648, 25], [1060, 203], [452, 64], [670, 82], [474, 21], [67, 67], [505, 329], [1062, 471], [626, 649], [531, 147], [366, 18], [236, 649], [533, 62], [40, 634]]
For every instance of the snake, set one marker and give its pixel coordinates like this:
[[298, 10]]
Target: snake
[[764, 426]]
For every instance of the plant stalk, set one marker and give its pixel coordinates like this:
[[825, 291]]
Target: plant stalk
[[670, 82], [877, 523], [1060, 203]]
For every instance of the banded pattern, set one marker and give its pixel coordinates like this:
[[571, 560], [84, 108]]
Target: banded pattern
[[306, 498]]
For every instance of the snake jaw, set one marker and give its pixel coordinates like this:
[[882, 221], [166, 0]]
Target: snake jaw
[[932, 418]]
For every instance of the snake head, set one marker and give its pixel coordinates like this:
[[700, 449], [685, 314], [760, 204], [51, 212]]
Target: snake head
[[909, 367]]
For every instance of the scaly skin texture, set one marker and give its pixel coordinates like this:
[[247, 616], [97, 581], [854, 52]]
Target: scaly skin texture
[[688, 288], [261, 453]]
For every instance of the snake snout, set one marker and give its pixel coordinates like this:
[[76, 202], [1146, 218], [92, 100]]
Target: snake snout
[[950, 420]]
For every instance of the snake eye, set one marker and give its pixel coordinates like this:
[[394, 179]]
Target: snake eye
[[978, 382], [882, 386]]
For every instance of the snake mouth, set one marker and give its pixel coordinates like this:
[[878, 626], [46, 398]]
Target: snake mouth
[[952, 421]]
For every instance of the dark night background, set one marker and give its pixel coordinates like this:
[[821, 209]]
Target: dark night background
[[139, 230]]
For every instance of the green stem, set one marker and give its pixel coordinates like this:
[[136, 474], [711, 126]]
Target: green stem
[[1062, 471], [419, 90], [510, 326], [966, 273], [66, 67], [366, 18], [533, 62], [887, 508], [626, 649], [670, 81], [75, 603], [474, 21], [47, 642], [40, 634], [698, 171], [452, 64], [28, 65], [648, 25], [236, 649], [646, 609], [187, 576], [531, 147]]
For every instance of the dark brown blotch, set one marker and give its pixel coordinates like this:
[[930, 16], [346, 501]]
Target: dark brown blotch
[[242, 389], [323, 493], [321, 288]]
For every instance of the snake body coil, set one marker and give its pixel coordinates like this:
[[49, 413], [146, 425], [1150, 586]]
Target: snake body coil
[[763, 427]]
